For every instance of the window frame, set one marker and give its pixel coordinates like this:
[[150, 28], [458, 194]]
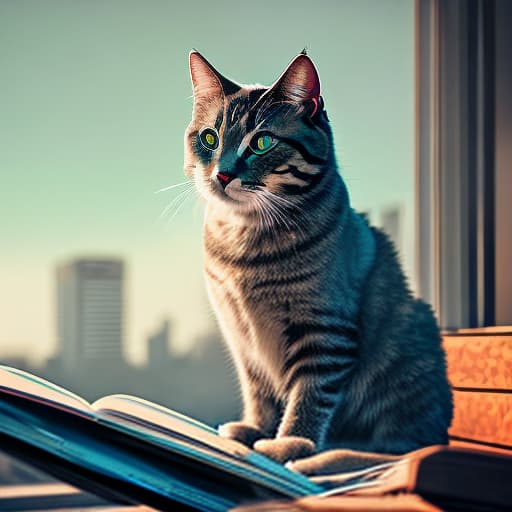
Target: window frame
[[455, 144]]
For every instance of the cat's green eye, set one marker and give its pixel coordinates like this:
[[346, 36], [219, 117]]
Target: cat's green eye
[[209, 139], [262, 143]]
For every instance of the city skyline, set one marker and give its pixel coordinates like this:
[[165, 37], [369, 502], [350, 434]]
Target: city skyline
[[64, 305]]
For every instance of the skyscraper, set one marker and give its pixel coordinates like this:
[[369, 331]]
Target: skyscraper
[[158, 347], [392, 224], [90, 310]]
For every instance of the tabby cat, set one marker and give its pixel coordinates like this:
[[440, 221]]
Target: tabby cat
[[331, 348]]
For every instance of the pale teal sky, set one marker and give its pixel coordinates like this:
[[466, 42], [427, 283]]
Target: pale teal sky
[[94, 99]]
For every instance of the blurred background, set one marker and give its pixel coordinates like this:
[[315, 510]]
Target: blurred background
[[101, 286]]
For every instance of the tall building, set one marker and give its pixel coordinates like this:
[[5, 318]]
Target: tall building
[[158, 347], [392, 224], [90, 310]]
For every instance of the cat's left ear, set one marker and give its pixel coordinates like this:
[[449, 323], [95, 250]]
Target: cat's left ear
[[206, 80], [299, 82]]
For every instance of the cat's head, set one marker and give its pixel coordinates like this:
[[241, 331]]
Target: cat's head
[[247, 145]]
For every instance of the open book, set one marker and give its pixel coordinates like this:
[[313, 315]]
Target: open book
[[134, 451]]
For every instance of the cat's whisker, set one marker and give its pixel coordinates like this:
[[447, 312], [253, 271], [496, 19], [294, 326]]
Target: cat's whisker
[[174, 201], [297, 221], [269, 212], [282, 204], [261, 212], [281, 199], [265, 220], [179, 204], [169, 207], [278, 216], [171, 187], [273, 220]]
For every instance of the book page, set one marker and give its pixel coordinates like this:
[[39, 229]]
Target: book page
[[172, 430], [23, 384], [151, 416]]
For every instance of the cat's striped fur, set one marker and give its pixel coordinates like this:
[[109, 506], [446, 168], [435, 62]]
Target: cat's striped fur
[[329, 344]]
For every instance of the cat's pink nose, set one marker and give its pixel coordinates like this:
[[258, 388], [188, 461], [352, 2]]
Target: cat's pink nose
[[224, 179]]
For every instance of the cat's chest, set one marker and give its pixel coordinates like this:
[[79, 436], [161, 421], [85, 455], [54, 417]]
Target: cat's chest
[[255, 314], [256, 294]]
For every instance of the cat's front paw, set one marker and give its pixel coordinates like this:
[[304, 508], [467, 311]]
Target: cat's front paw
[[339, 461], [240, 431], [285, 448]]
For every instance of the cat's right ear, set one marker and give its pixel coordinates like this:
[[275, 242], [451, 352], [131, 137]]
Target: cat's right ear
[[206, 80], [299, 81]]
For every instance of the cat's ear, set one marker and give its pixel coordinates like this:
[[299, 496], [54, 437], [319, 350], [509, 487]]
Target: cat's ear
[[206, 80], [299, 82]]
